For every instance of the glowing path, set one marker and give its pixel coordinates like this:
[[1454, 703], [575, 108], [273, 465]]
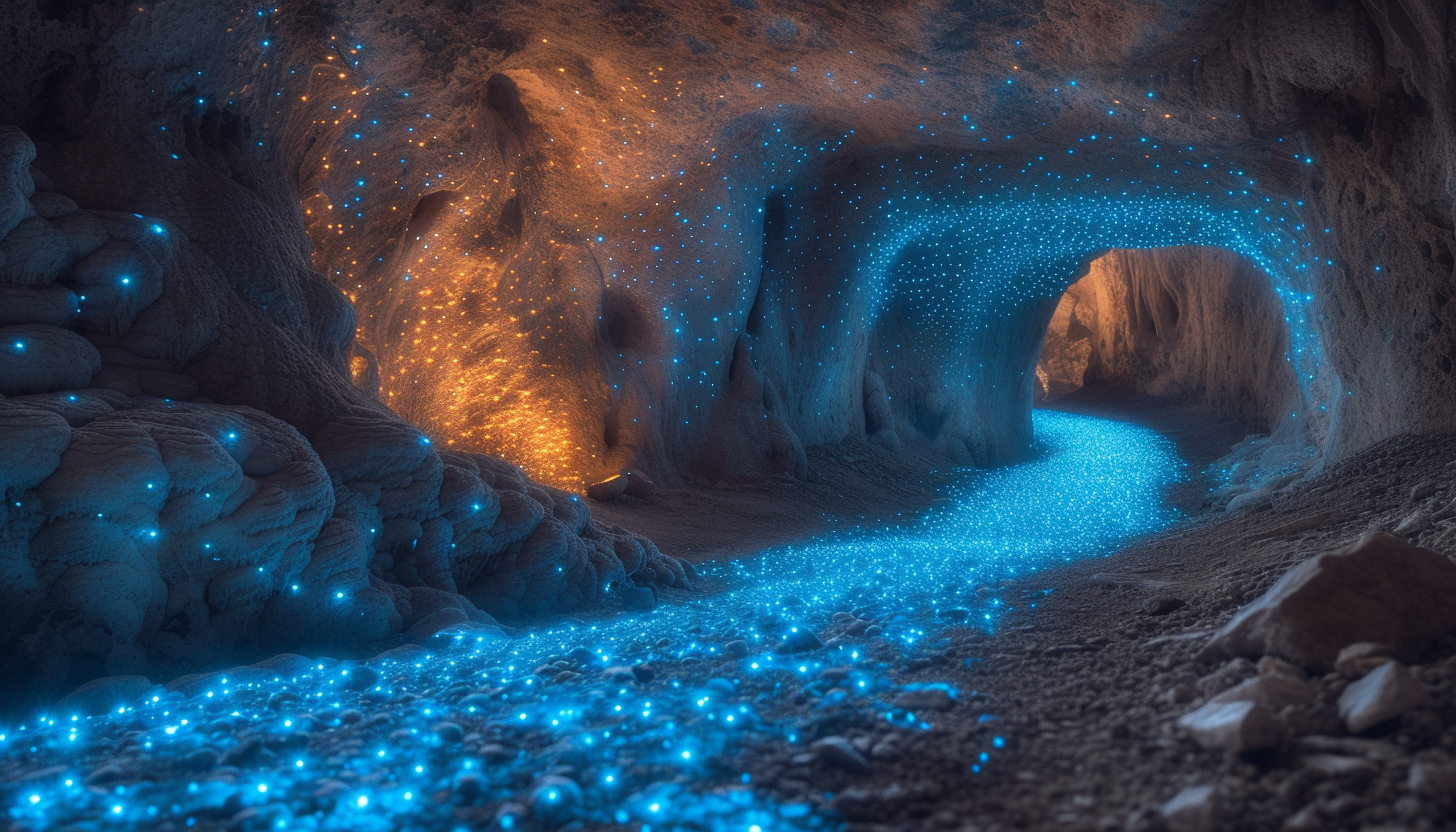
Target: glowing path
[[479, 730]]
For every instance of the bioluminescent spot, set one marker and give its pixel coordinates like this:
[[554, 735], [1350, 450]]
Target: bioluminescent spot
[[471, 725]]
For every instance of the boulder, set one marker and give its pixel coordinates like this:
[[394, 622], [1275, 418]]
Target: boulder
[[1378, 589]]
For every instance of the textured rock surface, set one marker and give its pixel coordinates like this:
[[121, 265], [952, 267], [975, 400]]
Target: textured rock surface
[[596, 239], [1176, 322], [1377, 589]]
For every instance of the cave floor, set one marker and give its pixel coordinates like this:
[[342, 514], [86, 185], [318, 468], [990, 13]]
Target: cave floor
[[901, 712]]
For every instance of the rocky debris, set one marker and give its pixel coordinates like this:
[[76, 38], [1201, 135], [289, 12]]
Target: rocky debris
[[1195, 809], [798, 640], [840, 753], [1362, 657], [1378, 589], [1384, 694], [608, 489], [925, 699], [1236, 726], [1433, 779], [1161, 604], [1340, 767]]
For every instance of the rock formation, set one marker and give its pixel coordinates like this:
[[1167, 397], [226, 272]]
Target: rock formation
[[283, 286]]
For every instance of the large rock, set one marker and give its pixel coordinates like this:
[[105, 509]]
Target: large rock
[[1378, 589]]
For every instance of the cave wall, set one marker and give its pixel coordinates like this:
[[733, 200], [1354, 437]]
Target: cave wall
[[407, 240], [1187, 322]]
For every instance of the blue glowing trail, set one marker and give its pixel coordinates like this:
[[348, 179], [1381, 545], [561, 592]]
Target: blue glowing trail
[[485, 731]]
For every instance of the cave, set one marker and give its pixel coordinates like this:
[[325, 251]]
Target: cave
[[728, 415]]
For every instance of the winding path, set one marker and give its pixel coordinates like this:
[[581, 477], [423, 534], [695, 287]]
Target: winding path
[[639, 721]]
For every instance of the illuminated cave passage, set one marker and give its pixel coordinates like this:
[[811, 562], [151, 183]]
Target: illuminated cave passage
[[730, 415]]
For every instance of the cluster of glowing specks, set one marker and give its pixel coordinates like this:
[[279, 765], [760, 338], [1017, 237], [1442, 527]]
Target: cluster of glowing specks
[[482, 730]]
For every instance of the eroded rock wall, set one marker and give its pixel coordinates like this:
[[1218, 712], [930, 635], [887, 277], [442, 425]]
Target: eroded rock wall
[[1184, 322], [679, 238]]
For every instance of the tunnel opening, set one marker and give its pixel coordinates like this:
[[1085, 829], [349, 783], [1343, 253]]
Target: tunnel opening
[[1189, 321], [1193, 338]]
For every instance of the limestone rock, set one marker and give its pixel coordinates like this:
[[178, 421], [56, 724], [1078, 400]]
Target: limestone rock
[[1385, 693], [1378, 589], [40, 358]]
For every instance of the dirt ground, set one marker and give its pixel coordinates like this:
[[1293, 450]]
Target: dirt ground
[[1074, 698]]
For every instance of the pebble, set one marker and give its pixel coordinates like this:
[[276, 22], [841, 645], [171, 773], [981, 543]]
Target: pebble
[[1340, 767], [925, 699], [1362, 657], [1195, 809], [1385, 693], [736, 649], [1235, 726], [1431, 779], [449, 732], [799, 640], [840, 753], [1162, 604]]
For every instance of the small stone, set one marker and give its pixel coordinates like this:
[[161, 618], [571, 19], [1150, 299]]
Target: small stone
[[1385, 693], [478, 701], [1362, 657], [361, 677], [639, 485], [1179, 694], [555, 800], [1274, 691], [840, 753], [1436, 780], [1415, 523], [736, 649], [874, 631], [1340, 767], [1377, 750], [449, 732], [638, 598], [469, 787], [496, 753], [621, 674], [283, 701], [1379, 589], [249, 751], [643, 673], [925, 699], [798, 640], [608, 489], [1161, 604], [1195, 809], [1235, 726], [1423, 490]]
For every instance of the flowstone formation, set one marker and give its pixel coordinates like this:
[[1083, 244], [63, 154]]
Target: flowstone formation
[[153, 519], [326, 264]]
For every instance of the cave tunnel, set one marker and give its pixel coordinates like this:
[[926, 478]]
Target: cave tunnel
[[728, 415]]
